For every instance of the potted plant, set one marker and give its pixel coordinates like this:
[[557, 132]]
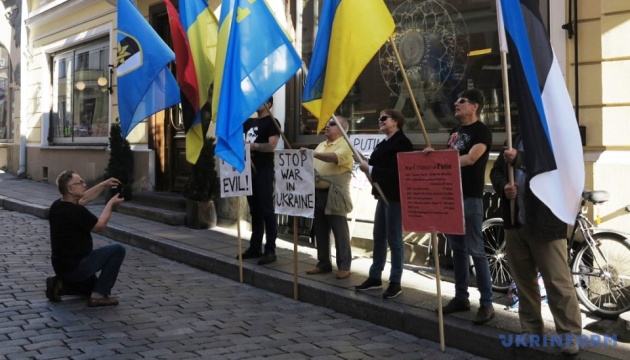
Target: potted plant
[[120, 163], [201, 188]]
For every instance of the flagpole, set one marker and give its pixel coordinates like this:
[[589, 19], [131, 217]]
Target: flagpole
[[413, 99], [359, 157], [238, 235], [506, 100]]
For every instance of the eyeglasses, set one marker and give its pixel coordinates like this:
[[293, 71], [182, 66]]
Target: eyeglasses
[[78, 183], [464, 100], [383, 118], [331, 123]]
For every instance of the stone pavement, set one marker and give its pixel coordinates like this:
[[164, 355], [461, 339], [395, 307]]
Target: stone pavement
[[169, 310], [411, 313]]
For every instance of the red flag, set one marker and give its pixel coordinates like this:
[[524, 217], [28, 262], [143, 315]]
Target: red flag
[[186, 76]]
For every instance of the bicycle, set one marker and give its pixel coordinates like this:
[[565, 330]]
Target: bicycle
[[599, 262]]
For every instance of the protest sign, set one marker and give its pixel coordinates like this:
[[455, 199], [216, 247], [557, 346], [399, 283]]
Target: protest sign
[[431, 192], [294, 183], [234, 183]]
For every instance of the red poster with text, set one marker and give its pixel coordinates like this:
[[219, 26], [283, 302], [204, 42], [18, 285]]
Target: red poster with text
[[431, 192]]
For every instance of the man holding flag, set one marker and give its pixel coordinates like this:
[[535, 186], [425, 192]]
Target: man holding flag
[[549, 166]]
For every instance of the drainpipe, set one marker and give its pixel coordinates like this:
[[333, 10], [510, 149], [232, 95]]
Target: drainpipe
[[23, 80]]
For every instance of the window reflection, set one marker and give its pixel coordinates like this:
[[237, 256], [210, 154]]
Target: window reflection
[[5, 72], [445, 47], [80, 83]]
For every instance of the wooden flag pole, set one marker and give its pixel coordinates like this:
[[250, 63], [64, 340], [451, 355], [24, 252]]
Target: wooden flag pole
[[508, 127], [358, 156], [238, 235], [438, 285], [413, 99]]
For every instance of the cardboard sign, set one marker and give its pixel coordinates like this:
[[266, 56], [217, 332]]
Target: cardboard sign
[[431, 192], [294, 183], [234, 183], [364, 144]]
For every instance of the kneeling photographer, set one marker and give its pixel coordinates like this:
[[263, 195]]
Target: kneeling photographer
[[71, 224]]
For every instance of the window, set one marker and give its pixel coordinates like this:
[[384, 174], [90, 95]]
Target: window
[[445, 46], [81, 95], [5, 103]]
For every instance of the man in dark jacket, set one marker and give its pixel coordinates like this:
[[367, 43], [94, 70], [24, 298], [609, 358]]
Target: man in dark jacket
[[536, 241]]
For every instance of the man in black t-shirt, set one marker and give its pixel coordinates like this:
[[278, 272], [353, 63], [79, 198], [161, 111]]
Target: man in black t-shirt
[[263, 136], [73, 257], [472, 139]]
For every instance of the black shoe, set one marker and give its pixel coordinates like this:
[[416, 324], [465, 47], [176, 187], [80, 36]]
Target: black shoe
[[455, 305], [369, 284], [267, 259], [392, 291], [53, 288], [484, 314], [250, 254]]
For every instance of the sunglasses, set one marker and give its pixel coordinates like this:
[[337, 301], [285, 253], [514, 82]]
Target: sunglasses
[[331, 123], [464, 100], [383, 118]]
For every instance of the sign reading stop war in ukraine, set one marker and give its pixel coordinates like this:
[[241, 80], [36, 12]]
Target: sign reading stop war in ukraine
[[431, 192], [295, 183], [234, 183]]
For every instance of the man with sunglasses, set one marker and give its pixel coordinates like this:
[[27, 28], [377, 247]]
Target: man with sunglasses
[[73, 257], [333, 172], [472, 138]]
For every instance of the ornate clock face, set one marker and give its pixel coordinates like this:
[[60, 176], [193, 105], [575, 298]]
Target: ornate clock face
[[432, 40]]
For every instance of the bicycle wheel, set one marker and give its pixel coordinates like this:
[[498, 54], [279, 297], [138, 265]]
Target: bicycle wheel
[[494, 243], [601, 275]]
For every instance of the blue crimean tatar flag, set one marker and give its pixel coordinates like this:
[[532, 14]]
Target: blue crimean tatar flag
[[254, 59], [554, 161], [145, 84]]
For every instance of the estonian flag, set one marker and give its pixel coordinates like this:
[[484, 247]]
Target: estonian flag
[[551, 137]]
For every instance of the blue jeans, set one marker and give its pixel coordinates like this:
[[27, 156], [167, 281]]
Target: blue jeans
[[471, 244], [262, 211], [387, 231], [107, 260]]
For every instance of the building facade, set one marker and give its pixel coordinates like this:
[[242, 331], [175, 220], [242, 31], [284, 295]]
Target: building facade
[[57, 114]]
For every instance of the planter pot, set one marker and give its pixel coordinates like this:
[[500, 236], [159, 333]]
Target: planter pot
[[200, 214]]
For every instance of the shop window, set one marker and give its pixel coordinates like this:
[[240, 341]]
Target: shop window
[[445, 47], [81, 97]]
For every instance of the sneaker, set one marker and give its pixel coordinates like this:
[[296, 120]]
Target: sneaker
[[251, 254], [53, 288], [455, 305], [392, 291], [569, 346], [484, 314], [267, 259], [369, 284]]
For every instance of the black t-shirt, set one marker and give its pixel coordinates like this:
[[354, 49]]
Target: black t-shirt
[[463, 138], [259, 130], [70, 234]]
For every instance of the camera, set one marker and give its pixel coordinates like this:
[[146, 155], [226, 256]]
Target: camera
[[117, 190]]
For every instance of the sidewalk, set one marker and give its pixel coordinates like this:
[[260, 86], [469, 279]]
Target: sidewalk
[[412, 312]]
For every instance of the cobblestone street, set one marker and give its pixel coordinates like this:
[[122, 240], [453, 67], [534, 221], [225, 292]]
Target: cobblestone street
[[169, 310]]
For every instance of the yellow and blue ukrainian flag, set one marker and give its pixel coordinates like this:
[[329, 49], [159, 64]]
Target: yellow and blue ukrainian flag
[[350, 32]]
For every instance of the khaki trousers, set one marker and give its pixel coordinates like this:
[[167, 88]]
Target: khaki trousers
[[526, 256]]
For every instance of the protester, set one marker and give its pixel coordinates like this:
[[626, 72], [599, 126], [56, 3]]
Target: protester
[[333, 172], [536, 241], [472, 139], [382, 170], [73, 257], [263, 136]]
